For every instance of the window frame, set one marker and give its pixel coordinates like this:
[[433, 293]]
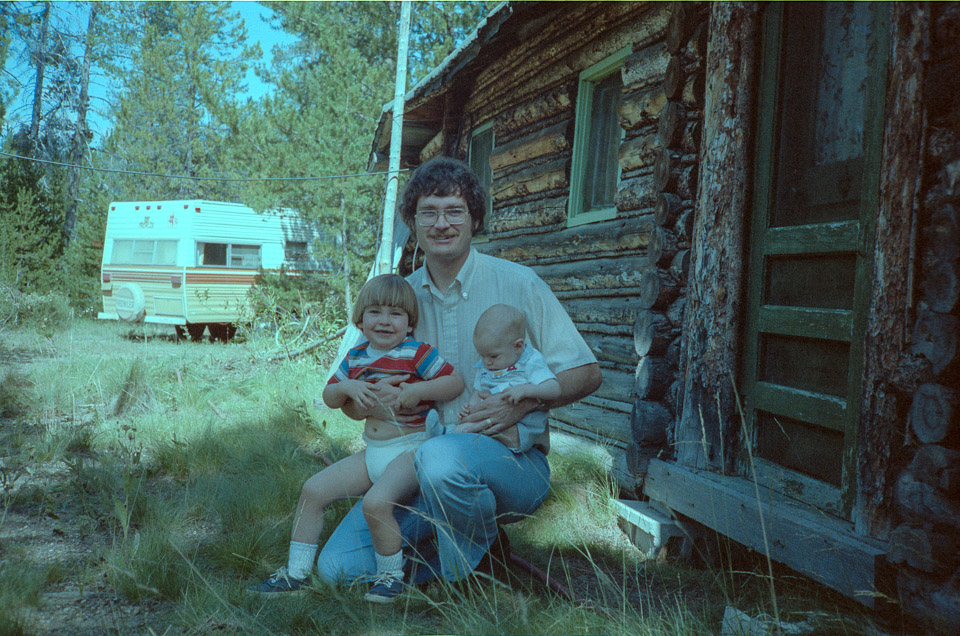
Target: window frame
[[229, 255], [154, 251], [477, 132], [589, 78]]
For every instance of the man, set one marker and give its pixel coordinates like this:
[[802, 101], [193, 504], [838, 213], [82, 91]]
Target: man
[[468, 480]]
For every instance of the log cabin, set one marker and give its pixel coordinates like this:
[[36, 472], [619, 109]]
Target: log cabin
[[751, 212]]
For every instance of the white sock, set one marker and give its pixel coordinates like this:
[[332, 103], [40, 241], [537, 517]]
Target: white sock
[[392, 564], [300, 561]]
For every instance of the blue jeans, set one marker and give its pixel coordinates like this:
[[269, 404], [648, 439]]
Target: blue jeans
[[468, 484]]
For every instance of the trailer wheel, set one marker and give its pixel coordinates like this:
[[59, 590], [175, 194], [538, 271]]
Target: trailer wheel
[[196, 330], [181, 332], [222, 332]]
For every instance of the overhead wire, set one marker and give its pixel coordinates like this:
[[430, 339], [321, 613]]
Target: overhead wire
[[174, 176]]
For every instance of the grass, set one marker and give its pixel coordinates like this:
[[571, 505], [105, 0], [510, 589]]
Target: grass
[[177, 466]]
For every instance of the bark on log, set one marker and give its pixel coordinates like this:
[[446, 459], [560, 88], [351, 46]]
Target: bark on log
[[667, 209], [618, 350], [635, 194], [935, 337], [544, 142], [543, 107], [943, 233], [712, 318], [532, 214], [639, 152], [671, 175], [649, 422], [881, 408], [684, 227], [604, 310], [616, 385], [652, 333], [532, 180], [595, 274], [933, 413], [671, 125], [662, 247], [645, 67], [658, 289], [642, 107], [609, 238], [654, 377], [941, 286], [923, 549], [934, 602], [602, 423]]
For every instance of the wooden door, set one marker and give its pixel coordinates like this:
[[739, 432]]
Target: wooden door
[[810, 249]]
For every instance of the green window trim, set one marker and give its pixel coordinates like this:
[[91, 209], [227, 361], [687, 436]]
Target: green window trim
[[577, 211], [479, 135]]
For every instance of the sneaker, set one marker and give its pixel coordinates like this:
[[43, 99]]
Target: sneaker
[[279, 581], [385, 589]]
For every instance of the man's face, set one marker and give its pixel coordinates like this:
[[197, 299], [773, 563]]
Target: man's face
[[444, 242]]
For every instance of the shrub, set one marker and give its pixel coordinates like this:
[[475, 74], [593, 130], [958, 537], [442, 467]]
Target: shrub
[[49, 312]]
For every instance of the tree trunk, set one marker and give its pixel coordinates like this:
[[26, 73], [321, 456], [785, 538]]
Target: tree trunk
[[41, 62], [80, 132], [347, 271]]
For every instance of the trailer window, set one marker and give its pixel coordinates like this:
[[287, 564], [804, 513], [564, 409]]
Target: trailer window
[[234, 255], [246, 256], [143, 252]]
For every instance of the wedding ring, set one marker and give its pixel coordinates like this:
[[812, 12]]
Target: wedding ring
[[489, 421]]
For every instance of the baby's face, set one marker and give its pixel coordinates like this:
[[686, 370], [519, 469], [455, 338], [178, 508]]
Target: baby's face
[[498, 354]]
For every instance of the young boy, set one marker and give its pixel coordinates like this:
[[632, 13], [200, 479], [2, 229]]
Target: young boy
[[386, 312], [508, 366]]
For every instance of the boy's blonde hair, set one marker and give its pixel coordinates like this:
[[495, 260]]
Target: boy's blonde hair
[[501, 323], [390, 290]]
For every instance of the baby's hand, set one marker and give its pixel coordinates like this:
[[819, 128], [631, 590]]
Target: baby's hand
[[360, 392], [409, 396], [514, 394]]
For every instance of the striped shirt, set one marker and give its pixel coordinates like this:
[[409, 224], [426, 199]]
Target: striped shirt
[[447, 319], [417, 359]]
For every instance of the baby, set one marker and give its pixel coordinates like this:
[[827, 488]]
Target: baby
[[510, 367]]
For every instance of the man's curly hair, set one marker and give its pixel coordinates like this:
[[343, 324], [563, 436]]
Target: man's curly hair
[[444, 176]]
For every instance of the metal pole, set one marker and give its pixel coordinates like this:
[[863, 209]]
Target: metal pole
[[385, 262]]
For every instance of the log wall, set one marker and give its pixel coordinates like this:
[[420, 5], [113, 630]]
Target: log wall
[[924, 542], [597, 269]]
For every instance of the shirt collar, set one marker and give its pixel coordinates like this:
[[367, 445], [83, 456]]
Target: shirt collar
[[461, 284]]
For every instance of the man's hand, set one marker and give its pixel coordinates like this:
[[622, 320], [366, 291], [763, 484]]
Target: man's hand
[[494, 414]]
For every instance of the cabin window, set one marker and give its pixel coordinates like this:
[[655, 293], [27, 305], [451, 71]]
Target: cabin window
[[143, 252], [481, 147], [295, 251], [810, 255], [232, 254], [595, 171]]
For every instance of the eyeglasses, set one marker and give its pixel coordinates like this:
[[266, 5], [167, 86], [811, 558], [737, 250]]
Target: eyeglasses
[[454, 216]]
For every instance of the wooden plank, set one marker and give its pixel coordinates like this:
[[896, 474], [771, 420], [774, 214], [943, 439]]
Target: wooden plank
[[616, 385], [839, 236], [821, 547], [824, 410], [532, 180], [617, 349], [538, 213], [833, 324]]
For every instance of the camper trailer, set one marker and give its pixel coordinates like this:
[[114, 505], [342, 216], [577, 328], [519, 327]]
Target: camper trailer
[[191, 263]]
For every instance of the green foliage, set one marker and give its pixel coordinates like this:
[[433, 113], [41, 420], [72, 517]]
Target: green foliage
[[47, 313]]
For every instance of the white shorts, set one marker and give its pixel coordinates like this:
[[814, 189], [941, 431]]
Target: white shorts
[[381, 452]]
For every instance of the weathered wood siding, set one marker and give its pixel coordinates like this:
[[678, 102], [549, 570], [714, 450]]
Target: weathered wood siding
[[529, 94]]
